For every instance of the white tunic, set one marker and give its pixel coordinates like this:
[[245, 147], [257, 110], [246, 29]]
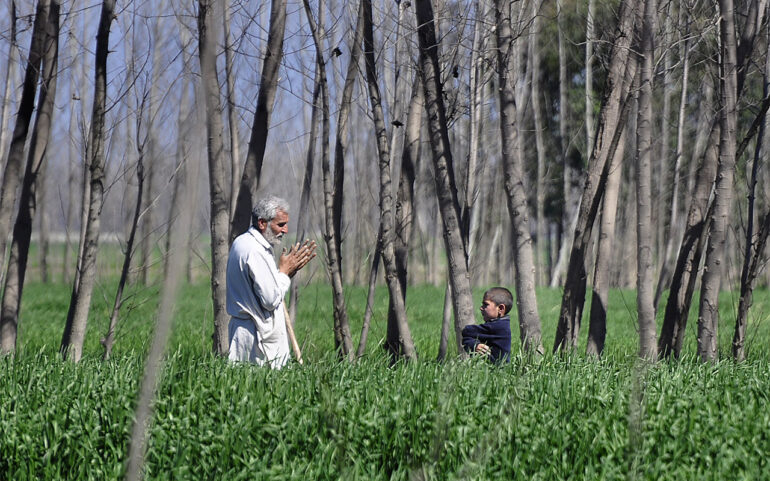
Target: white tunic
[[255, 292]]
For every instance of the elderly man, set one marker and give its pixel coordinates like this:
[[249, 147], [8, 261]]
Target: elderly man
[[256, 286]]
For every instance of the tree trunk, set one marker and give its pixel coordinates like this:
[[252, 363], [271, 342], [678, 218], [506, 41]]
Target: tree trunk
[[75, 330], [14, 163], [597, 326], [387, 221], [571, 163], [109, 338], [232, 115], [708, 316], [446, 187], [537, 109], [10, 72], [644, 293], [304, 203], [217, 168], [753, 249], [612, 118], [268, 86], [22, 229], [673, 216], [342, 336], [589, 89], [526, 302]]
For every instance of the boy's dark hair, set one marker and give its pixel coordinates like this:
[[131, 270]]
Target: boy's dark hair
[[500, 295]]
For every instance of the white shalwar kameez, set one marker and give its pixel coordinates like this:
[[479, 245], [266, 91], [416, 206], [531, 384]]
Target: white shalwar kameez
[[255, 292]]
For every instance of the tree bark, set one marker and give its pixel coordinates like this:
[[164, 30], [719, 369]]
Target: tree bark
[[217, 168], [753, 249], [611, 121], [446, 187], [589, 88], [14, 162], [342, 336], [597, 326], [644, 227], [537, 109], [387, 221], [316, 112], [232, 116], [10, 72], [708, 316], [516, 197], [22, 229], [75, 330], [268, 86]]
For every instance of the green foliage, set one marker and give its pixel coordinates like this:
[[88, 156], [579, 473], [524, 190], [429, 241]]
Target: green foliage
[[556, 418]]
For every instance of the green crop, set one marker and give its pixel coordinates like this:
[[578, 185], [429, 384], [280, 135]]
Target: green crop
[[554, 418]]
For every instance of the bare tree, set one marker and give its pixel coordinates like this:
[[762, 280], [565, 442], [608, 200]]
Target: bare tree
[[387, 222], [755, 244], [332, 197], [644, 294], [80, 303], [14, 163], [612, 117], [597, 326], [232, 115], [268, 87], [446, 187], [708, 316], [526, 302], [10, 72], [22, 229], [207, 41]]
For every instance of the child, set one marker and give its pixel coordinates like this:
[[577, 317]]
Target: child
[[493, 338]]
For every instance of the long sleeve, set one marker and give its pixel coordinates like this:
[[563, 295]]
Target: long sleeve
[[495, 333]]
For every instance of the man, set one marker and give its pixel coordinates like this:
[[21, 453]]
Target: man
[[256, 286]]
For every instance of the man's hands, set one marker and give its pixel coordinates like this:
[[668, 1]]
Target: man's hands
[[295, 259]]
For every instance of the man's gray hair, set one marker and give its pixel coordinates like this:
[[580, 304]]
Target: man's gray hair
[[267, 208]]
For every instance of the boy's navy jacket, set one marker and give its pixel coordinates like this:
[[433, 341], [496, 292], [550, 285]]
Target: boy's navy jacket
[[495, 333]]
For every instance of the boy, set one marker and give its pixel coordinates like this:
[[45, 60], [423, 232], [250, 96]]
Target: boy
[[493, 338]]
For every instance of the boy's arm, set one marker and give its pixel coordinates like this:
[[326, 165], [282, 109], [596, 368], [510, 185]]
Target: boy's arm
[[474, 337]]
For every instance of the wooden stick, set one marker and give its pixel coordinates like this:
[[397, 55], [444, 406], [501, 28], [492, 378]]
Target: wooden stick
[[290, 332]]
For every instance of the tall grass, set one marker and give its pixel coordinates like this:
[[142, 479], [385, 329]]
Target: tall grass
[[557, 418]]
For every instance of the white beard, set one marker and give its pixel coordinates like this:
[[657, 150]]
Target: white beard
[[274, 239]]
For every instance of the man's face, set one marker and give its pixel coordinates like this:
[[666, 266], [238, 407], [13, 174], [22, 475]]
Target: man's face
[[274, 230]]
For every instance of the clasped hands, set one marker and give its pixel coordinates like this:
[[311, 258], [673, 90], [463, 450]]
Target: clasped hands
[[296, 258]]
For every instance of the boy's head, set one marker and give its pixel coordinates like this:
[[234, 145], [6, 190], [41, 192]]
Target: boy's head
[[497, 302]]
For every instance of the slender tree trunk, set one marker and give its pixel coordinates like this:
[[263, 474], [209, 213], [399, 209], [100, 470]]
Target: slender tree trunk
[[446, 187], [612, 118], [22, 229], [10, 73], [387, 221], [109, 339], [753, 249], [696, 230], [571, 163], [597, 326], [708, 316], [268, 86], [232, 115], [72, 161], [537, 108], [342, 336], [217, 168], [14, 163], [673, 217], [317, 107], [446, 323], [75, 330], [589, 89], [644, 296], [526, 302]]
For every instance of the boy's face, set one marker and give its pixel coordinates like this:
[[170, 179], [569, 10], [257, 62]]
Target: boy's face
[[490, 310]]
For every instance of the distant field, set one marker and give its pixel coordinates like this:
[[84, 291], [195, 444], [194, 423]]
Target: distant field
[[552, 419]]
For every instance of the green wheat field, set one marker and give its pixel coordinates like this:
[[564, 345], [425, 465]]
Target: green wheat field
[[548, 419]]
